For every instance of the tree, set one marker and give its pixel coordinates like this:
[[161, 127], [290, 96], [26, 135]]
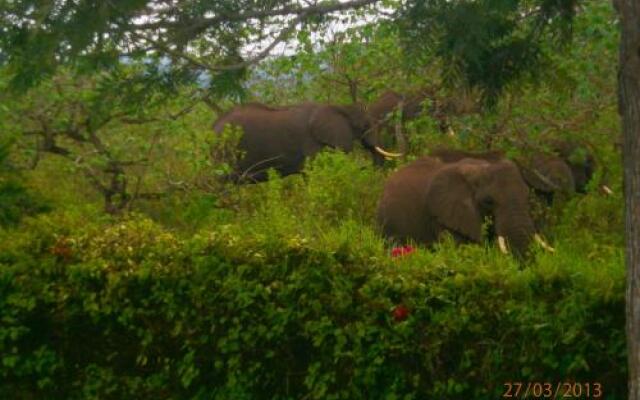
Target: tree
[[487, 44], [106, 126], [36, 37], [16, 200], [629, 108]]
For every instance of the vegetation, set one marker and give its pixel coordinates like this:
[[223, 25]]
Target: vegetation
[[145, 275]]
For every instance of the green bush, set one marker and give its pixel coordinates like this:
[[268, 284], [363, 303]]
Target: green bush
[[128, 310], [340, 187]]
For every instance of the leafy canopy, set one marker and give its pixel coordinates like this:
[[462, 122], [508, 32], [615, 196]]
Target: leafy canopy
[[487, 44], [484, 43], [37, 36]]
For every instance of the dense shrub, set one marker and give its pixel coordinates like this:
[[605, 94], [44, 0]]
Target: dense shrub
[[128, 310]]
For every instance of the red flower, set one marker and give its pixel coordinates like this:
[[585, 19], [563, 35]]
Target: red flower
[[62, 249], [400, 313], [401, 251]]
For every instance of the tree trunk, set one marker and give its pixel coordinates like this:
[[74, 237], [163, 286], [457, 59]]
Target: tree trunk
[[629, 108]]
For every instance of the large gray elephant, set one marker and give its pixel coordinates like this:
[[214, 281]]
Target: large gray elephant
[[430, 196], [283, 137]]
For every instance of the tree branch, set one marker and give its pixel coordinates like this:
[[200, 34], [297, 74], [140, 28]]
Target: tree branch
[[197, 63], [198, 25], [203, 23]]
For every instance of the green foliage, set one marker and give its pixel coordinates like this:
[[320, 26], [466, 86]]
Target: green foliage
[[339, 187], [223, 150], [16, 201], [112, 132], [354, 65], [131, 310], [91, 35], [487, 44]]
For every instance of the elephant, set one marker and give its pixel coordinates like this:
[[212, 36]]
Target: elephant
[[283, 137], [547, 175], [380, 111], [567, 170], [410, 106], [429, 196], [389, 101], [580, 160], [413, 105]]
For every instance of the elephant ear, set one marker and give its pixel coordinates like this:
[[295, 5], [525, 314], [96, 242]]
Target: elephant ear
[[451, 200], [330, 127]]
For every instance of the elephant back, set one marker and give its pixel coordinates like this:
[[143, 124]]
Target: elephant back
[[454, 155]]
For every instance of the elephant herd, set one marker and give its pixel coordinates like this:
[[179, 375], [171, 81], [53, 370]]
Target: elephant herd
[[450, 191]]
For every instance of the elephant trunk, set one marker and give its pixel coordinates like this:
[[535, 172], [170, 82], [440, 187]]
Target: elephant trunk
[[516, 226]]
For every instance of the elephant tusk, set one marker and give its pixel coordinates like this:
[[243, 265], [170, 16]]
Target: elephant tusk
[[387, 154], [545, 179], [543, 244], [451, 132], [607, 190], [502, 245]]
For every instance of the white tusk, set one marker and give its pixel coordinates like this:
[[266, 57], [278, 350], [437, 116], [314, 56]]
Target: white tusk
[[502, 244], [543, 244], [386, 153], [450, 132], [545, 180], [607, 190]]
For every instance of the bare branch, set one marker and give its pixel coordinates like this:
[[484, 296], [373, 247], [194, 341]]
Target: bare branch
[[197, 63], [145, 31]]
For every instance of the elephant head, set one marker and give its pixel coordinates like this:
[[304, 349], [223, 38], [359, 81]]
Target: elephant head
[[547, 175], [385, 104], [580, 161], [567, 169], [323, 125], [361, 124], [429, 196], [409, 106], [463, 193], [390, 100]]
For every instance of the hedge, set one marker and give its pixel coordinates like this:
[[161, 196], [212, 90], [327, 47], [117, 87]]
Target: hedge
[[130, 311]]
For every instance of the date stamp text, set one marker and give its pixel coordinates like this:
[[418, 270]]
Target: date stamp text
[[553, 390]]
